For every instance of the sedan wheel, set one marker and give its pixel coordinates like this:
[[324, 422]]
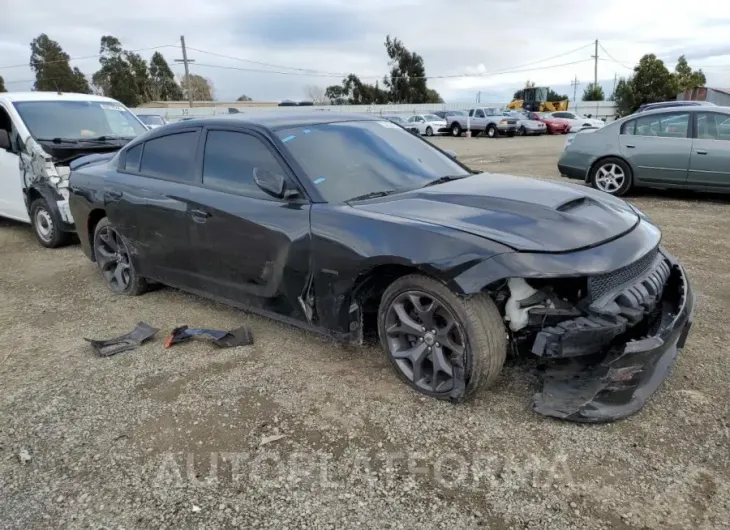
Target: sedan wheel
[[522, 131], [613, 176], [113, 259], [429, 131], [440, 344]]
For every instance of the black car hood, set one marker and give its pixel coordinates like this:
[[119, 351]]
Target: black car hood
[[522, 213]]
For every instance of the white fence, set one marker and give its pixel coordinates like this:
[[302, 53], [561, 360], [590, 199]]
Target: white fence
[[598, 109]]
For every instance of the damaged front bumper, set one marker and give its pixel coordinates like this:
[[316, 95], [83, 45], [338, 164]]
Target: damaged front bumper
[[616, 382]]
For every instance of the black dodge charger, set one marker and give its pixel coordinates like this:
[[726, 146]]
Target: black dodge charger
[[350, 226]]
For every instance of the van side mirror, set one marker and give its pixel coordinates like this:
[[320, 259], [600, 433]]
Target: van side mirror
[[4, 140], [273, 183]]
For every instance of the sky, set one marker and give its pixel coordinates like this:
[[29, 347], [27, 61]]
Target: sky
[[274, 49]]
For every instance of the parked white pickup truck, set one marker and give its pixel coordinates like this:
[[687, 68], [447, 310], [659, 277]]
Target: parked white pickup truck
[[489, 121], [40, 134]]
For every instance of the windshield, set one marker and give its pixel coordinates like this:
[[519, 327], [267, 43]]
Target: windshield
[[432, 117], [349, 159], [77, 120], [150, 119], [396, 119]]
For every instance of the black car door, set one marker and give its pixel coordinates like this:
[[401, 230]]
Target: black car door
[[147, 202], [251, 247]]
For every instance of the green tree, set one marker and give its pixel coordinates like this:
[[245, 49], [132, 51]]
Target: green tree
[[554, 96], [52, 69], [244, 97], [2, 84], [123, 75], [593, 93], [685, 77], [201, 87], [651, 82], [521, 92], [162, 84], [354, 92]]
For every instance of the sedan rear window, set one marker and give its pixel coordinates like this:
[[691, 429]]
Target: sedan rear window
[[349, 159]]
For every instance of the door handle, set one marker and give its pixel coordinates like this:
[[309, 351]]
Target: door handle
[[630, 146], [113, 195], [699, 152], [199, 216]]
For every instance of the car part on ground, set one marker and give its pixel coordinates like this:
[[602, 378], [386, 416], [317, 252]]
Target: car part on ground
[[438, 258], [128, 341], [241, 336], [686, 148]]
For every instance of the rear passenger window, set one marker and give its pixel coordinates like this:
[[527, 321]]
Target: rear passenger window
[[628, 127], [674, 125], [132, 158], [230, 158], [171, 157], [713, 126]]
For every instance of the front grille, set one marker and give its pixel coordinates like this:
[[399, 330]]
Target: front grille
[[603, 283]]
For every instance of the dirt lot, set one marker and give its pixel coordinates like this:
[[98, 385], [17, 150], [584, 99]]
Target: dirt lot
[[184, 438]]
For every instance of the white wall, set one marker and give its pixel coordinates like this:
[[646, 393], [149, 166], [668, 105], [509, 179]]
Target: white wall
[[600, 109]]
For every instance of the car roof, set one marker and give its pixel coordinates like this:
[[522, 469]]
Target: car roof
[[53, 96], [685, 108], [279, 120]]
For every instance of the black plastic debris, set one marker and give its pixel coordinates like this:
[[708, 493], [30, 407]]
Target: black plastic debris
[[107, 348], [223, 339]]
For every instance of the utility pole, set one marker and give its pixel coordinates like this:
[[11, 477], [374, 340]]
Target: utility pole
[[595, 66], [185, 61], [575, 84]]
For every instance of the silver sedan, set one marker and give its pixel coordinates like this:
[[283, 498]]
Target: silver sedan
[[669, 148], [525, 125]]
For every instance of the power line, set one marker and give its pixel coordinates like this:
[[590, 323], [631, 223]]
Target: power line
[[611, 57], [87, 57]]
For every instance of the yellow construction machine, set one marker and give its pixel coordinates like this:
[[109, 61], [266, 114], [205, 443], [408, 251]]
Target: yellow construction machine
[[534, 99]]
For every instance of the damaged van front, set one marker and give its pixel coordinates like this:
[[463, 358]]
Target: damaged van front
[[41, 133]]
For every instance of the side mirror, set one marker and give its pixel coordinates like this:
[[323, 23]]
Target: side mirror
[[452, 154], [273, 183], [4, 140]]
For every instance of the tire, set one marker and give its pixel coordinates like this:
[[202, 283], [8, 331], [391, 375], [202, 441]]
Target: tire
[[456, 129], [491, 131], [47, 225], [133, 284], [522, 131], [481, 337], [429, 131], [612, 175]]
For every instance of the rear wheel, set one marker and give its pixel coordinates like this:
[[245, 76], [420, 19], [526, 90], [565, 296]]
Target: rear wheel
[[491, 131], [612, 175], [47, 225], [439, 343], [113, 259]]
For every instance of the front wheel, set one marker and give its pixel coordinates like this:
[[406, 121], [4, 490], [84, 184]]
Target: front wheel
[[429, 131], [113, 259], [491, 131], [612, 175], [522, 131], [442, 345], [47, 225], [456, 130]]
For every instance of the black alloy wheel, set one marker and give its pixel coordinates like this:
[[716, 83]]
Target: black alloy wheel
[[113, 259], [442, 345], [522, 131], [424, 337]]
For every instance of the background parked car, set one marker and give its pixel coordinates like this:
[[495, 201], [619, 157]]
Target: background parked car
[[576, 121], [403, 122], [428, 124], [487, 120], [152, 121], [525, 124], [552, 125], [686, 147]]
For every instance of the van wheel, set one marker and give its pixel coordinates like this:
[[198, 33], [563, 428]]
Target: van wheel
[[441, 344], [47, 225], [114, 261]]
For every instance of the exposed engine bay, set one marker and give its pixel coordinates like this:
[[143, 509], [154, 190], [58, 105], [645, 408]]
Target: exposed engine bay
[[37, 168], [585, 329]]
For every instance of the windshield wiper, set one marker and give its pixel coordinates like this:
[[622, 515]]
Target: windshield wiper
[[106, 138], [373, 195], [442, 180], [58, 140]]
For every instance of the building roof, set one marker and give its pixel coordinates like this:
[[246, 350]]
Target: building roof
[[53, 96], [725, 91]]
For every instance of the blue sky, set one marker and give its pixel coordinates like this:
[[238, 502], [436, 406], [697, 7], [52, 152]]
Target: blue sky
[[492, 46]]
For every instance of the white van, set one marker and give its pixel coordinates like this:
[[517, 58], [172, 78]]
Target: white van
[[41, 133]]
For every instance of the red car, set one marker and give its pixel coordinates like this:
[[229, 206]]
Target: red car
[[553, 125]]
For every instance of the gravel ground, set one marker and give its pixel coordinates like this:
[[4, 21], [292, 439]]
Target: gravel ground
[[288, 433]]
